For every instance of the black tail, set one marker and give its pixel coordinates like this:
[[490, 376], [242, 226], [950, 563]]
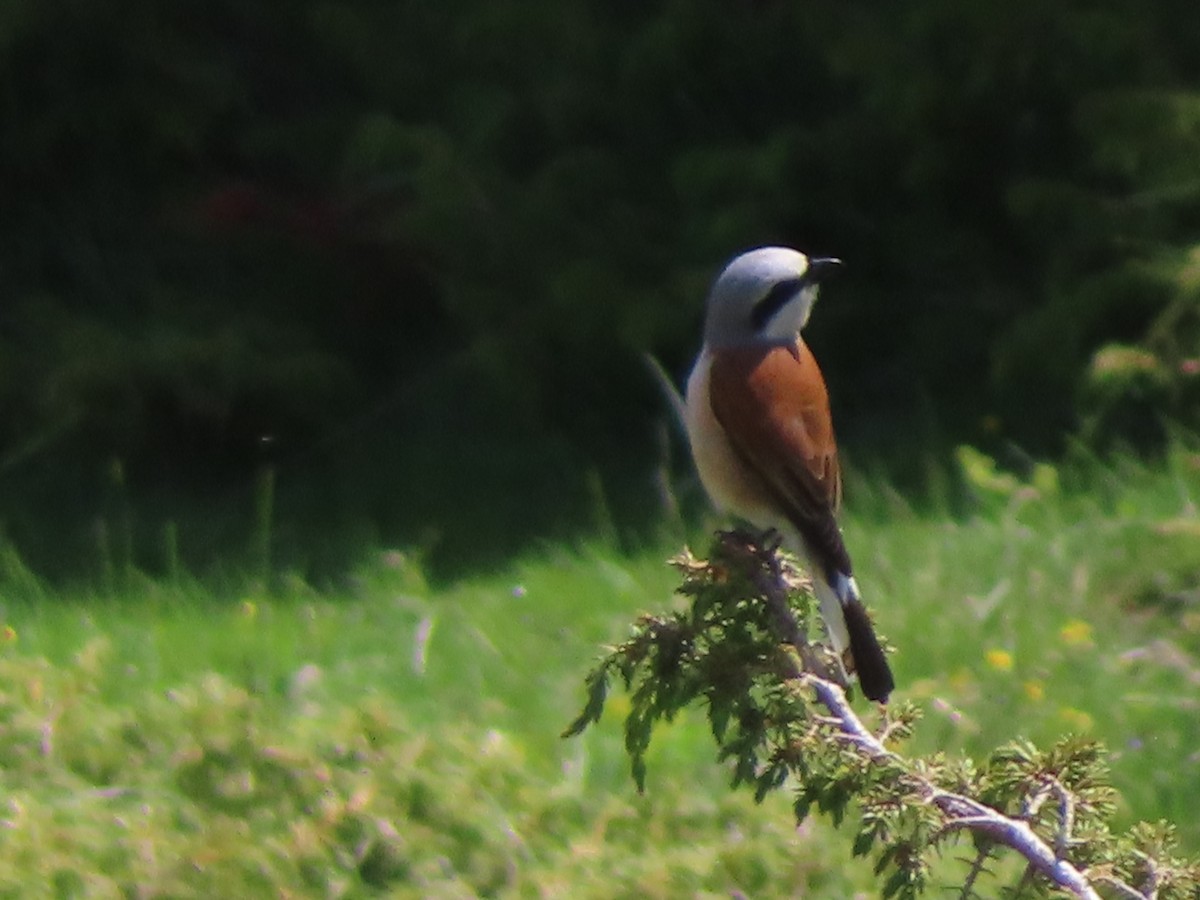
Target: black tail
[[869, 661]]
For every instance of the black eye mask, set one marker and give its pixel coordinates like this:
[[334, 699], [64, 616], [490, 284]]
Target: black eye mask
[[776, 299]]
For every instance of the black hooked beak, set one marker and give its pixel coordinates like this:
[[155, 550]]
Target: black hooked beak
[[821, 268]]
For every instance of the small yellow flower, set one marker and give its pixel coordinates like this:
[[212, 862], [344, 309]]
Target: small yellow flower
[[1075, 633], [1000, 660], [8, 634], [248, 609], [1076, 718], [1034, 690]]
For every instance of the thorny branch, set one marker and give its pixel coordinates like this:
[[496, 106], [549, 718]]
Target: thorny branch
[[778, 706], [962, 812]]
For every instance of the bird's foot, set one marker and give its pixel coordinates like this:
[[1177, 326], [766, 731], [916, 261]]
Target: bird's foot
[[758, 541], [770, 540]]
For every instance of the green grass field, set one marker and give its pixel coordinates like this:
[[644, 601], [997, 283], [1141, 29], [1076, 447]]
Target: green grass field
[[399, 739]]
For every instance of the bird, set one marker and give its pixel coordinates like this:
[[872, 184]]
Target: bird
[[757, 414]]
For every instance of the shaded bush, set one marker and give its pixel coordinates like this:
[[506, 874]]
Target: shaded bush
[[250, 235]]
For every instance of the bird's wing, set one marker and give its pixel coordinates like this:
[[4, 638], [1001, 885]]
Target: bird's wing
[[772, 403]]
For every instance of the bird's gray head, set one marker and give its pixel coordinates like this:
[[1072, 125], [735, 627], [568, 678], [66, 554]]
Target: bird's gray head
[[765, 295]]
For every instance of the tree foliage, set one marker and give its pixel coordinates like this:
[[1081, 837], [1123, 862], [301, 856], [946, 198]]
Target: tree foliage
[[251, 221]]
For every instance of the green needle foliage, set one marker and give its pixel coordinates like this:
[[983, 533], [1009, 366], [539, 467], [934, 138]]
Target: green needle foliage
[[740, 649]]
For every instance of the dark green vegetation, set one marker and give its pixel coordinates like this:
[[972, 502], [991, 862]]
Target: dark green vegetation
[[398, 736], [409, 253]]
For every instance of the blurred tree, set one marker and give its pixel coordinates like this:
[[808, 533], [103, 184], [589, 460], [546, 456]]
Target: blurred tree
[[250, 233]]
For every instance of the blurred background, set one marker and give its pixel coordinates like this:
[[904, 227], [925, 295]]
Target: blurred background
[[386, 272]]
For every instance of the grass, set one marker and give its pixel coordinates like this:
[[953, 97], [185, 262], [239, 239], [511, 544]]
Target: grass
[[398, 738]]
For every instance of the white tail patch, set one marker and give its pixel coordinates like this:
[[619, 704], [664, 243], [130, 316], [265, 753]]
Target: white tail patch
[[847, 588], [848, 625]]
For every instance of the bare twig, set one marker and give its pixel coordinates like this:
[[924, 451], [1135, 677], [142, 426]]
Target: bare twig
[[1124, 891], [1066, 819]]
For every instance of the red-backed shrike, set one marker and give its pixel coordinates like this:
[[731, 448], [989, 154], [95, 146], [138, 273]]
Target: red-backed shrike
[[758, 419]]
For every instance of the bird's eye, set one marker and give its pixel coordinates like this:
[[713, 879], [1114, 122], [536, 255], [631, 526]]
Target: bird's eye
[[775, 300]]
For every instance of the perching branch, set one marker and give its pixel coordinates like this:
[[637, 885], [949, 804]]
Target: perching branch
[[961, 812], [742, 649]]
